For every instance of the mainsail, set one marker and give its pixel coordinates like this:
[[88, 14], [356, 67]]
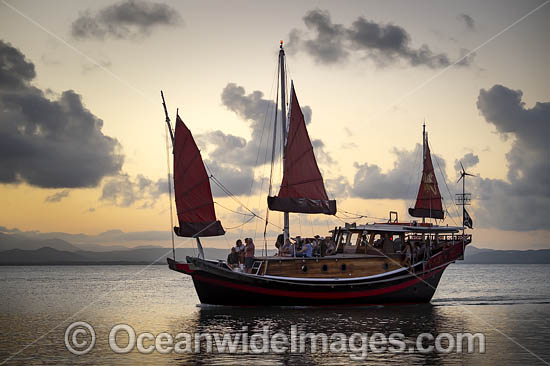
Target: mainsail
[[302, 189], [194, 202], [428, 200]]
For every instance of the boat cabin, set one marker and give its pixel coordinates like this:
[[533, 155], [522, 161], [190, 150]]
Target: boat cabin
[[363, 250]]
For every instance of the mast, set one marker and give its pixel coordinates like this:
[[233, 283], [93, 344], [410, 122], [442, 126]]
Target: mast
[[283, 119], [423, 158], [463, 208], [168, 167], [167, 118], [464, 200]]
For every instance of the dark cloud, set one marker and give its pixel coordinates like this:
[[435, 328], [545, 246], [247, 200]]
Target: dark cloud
[[523, 201], [56, 197], [327, 46], [383, 43], [469, 160], [128, 19], [49, 143], [468, 21], [125, 191], [15, 71], [231, 158]]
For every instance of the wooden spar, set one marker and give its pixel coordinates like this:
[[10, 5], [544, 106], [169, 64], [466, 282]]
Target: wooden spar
[[283, 119], [167, 118], [168, 166]]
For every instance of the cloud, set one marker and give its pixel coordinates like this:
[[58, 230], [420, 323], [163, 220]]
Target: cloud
[[232, 159], [125, 191], [523, 201], [338, 188], [49, 143], [468, 21], [56, 197], [469, 160], [237, 179], [400, 182], [384, 43], [130, 19]]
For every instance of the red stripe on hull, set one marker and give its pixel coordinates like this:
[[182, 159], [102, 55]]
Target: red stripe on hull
[[314, 295]]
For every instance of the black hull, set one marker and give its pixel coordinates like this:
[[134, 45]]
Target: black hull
[[216, 284], [218, 294]]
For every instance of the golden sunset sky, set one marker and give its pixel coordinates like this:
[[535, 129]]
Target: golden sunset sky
[[370, 71]]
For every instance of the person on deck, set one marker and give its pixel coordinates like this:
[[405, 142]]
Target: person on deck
[[279, 244], [288, 249], [408, 255], [249, 254], [306, 251], [233, 259], [331, 246], [239, 248]]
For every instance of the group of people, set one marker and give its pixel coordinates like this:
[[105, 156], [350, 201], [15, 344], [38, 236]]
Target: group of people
[[307, 248], [415, 252], [242, 256]]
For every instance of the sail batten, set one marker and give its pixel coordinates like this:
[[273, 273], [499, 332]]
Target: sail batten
[[428, 201], [302, 189], [194, 202]]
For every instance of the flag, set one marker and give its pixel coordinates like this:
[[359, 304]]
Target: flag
[[467, 220]]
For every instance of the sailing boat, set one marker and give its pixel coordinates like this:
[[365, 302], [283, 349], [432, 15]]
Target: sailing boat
[[367, 265]]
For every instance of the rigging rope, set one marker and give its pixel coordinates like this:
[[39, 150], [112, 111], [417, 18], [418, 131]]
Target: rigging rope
[[232, 196], [170, 190], [268, 107], [448, 190], [238, 226], [228, 209], [272, 151]]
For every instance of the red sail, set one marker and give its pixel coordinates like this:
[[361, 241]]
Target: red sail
[[194, 202], [428, 200], [302, 189]]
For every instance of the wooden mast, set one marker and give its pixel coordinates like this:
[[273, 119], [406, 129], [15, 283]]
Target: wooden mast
[[283, 119]]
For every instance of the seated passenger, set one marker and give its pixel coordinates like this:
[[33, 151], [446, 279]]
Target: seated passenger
[[233, 259], [306, 251]]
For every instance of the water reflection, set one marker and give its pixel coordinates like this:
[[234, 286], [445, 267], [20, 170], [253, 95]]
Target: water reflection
[[409, 320]]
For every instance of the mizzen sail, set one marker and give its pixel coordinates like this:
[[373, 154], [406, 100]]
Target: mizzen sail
[[302, 189], [194, 203], [428, 200]]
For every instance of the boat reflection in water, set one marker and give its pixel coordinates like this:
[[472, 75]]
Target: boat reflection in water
[[409, 320]]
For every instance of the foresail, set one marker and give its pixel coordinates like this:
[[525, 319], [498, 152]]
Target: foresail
[[428, 200], [302, 189], [194, 203]]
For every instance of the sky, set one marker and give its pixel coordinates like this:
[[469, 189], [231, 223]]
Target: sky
[[83, 141]]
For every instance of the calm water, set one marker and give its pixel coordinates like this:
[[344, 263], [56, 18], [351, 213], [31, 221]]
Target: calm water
[[510, 304]]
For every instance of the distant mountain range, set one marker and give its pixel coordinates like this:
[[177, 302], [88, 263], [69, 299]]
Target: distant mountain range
[[20, 250], [51, 256], [476, 255]]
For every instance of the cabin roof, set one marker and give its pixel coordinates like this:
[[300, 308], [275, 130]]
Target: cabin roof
[[392, 228]]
